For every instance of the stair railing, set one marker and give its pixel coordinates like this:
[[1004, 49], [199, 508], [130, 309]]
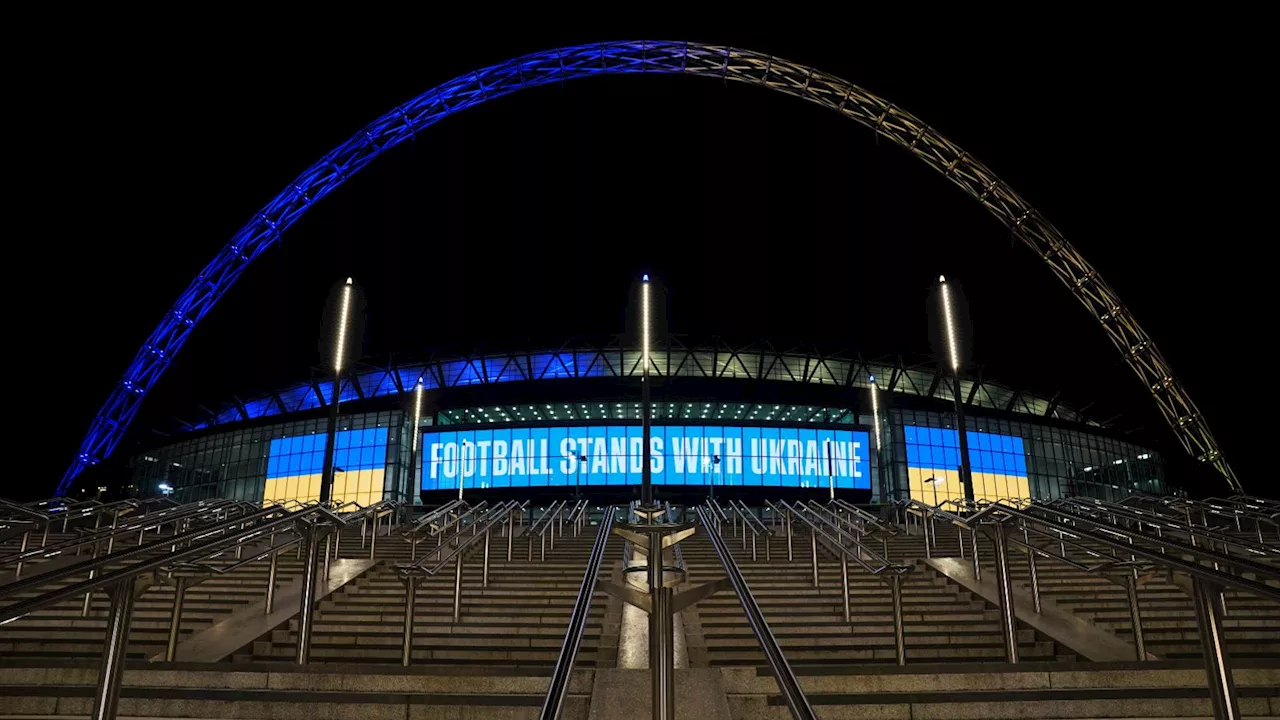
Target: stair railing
[[563, 670], [419, 529], [124, 584], [719, 515], [93, 539], [540, 527], [410, 573], [866, 558], [577, 515], [792, 693], [1209, 572], [756, 526]]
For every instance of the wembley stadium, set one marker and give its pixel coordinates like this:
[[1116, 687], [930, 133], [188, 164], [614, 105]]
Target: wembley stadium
[[724, 419]]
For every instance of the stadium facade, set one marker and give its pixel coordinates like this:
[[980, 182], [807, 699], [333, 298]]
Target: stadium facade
[[730, 418]]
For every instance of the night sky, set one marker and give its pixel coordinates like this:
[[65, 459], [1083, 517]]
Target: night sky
[[522, 222]]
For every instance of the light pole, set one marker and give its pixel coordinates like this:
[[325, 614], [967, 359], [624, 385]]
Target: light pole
[[413, 446], [339, 355], [462, 465], [953, 354], [646, 481], [875, 419]]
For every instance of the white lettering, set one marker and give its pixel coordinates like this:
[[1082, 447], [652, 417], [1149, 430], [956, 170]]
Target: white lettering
[[517, 458], [618, 455], [435, 459], [450, 460], [759, 462], [637, 454], [811, 458], [483, 447], [569, 465], [733, 456], [655, 456], [499, 458], [599, 456]]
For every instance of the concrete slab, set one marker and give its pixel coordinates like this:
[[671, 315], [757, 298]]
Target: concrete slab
[[1081, 636], [242, 627], [626, 694]]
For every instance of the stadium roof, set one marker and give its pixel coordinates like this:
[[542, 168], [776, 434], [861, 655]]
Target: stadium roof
[[758, 362]]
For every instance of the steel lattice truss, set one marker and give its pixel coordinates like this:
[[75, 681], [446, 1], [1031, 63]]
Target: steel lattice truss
[[657, 57], [673, 357]]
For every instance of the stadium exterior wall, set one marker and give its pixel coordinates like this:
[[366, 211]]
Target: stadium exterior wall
[[721, 429]]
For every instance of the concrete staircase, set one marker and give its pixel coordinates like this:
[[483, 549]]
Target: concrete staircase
[[63, 631], [1252, 624], [519, 620], [943, 622]]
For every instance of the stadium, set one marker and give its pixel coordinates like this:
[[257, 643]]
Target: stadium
[[742, 420], [617, 527]]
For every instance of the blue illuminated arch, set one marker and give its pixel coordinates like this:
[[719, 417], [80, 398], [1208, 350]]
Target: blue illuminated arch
[[661, 57]]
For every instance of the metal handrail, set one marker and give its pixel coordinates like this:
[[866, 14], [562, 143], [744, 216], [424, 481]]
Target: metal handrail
[[749, 519], [495, 515], [1174, 557], [547, 517], [194, 550], [434, 515], [1163, 523], [472, 512], [792, 693], [90, 538], [805, 514], [865, 516], [563, 671]]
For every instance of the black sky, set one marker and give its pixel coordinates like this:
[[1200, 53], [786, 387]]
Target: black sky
[[523, 221]]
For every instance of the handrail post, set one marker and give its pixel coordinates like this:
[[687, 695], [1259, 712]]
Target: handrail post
[[306, 604], [373, 541], [511, 531], [271, 580], [977, 566], [813, 550], [1031, 570], [790, 554], [410, 608], [844, 583], [753, 546], [457, 590], [1135, 616], [1217, 662], [1004, 585], [484, 578], [175, 619], [106, 699], [899, 633]]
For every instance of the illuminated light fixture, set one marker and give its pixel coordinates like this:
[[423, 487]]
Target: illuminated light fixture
[[1089, 469], [341, 346], [952, 347], [644, 323], [875, 409], [1144, 456]]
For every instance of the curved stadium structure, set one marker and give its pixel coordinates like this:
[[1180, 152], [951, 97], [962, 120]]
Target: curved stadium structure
[[735, 418]]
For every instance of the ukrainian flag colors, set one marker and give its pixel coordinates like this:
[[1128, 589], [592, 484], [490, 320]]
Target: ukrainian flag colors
[[998, 462], [295, 465]]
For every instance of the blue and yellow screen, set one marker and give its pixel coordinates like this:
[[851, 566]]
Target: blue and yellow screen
[[294, 466], [998, 464], [612, 455]]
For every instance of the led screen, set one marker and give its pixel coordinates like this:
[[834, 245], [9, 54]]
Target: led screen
[[295, 465], [998, 464], [611, 455]]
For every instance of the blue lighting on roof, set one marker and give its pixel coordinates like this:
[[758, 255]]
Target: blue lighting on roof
[[646, 278]]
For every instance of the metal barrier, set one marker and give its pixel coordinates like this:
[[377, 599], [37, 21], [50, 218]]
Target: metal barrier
[[410, 572], [542, 524], [228, 530], [563, 671], [755, 525], [1201, 571], [792, 693], [880, 566]]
